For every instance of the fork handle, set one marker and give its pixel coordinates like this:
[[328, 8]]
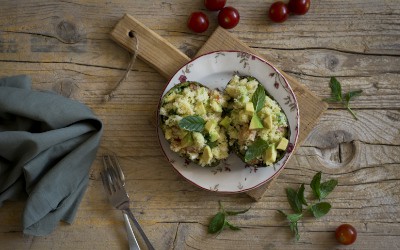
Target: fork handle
[[133, 244], [139, 229]]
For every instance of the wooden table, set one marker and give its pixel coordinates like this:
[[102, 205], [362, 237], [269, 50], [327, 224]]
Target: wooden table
[[65, 47]]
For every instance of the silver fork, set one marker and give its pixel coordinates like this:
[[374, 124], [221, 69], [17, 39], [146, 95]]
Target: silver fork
[[114, 184]]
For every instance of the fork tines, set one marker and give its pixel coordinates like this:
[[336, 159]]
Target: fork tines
[[112, 175]]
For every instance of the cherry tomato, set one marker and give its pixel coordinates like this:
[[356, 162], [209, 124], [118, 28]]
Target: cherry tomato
[[214, 5], [346, 234], [278, 12], [198, 22], [228, 17], [299, 7]]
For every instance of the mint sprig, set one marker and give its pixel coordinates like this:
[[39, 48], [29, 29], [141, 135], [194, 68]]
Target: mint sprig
[[336, 95], [258, 99], [297, 202], [293, 219], [255, 150], [321, 190], [219, 222], [296, 198], [320, 209], [192, 123]]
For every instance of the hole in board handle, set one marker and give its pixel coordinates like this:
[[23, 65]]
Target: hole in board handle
[[131, 34]]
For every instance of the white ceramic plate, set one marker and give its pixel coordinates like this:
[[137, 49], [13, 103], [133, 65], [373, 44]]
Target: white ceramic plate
[[214, 70]]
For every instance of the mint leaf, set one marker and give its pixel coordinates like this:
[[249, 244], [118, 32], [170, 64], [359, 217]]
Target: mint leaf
[[352, 94], [293, 200], [296, 199], [294, 217], [348, 97], [336, 95], [282, 213], [300, 195], [258, 98], [232, 227], [217, 223], [320, 209], [255, 150], [327, 187], [336, 89], [330, 99], [315, 185], [192, 123], [237, 212], [321, 190]]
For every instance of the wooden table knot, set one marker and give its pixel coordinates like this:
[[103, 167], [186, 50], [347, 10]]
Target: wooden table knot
[[336, 148], [68, 32], [331, 62], [65, 87]]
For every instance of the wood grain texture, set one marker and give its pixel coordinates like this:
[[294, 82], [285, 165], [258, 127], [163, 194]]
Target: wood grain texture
[[65, 47]]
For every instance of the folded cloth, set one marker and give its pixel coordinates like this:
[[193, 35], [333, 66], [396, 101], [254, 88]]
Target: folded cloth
[[47, 146]]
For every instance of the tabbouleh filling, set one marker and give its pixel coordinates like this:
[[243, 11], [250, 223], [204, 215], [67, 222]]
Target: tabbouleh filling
[[270, 125], [210, 145], [243, 117]]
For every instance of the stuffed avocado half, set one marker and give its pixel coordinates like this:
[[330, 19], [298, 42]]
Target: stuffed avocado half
[[190, 120], [257, 127]]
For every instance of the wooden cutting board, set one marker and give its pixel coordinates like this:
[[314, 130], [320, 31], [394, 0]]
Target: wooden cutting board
[[166, 59]]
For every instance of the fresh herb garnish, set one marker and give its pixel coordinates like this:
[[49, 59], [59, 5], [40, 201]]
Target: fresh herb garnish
[[321, 190], [212, 144], [296, 200], [320, 209], [192, 123], [336, 95], [258, 99], [219, 221], [255, 150], [293, 219]]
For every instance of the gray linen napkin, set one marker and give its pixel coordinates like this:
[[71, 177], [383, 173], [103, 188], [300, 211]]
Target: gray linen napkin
[[47, 146]]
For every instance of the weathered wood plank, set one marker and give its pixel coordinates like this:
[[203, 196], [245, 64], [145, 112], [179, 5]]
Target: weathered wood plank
[[373, 126], [370, 25], [379, 90], [273, 237], [361, 198]]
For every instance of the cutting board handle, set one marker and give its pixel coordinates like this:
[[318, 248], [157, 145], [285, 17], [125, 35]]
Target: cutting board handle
[[152, 49]]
